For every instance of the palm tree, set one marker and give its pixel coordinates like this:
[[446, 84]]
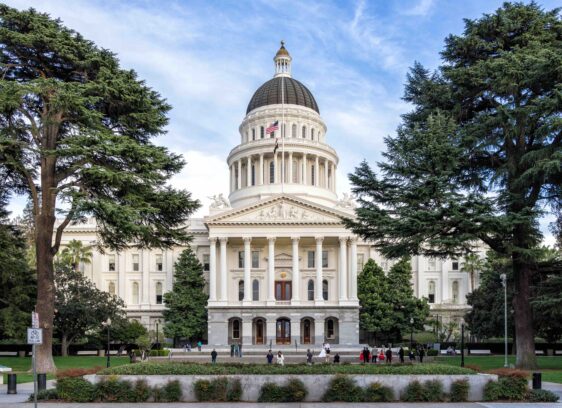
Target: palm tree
[[75, 253], [472, 264]]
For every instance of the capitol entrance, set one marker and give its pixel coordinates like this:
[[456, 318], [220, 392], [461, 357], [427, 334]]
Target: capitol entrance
[[283, 331]]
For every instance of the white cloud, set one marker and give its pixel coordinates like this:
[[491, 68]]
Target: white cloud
[[422, 8]]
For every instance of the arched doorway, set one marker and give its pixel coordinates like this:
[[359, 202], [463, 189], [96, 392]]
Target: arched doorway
[[259, 331], [283, 331], [307, 330]]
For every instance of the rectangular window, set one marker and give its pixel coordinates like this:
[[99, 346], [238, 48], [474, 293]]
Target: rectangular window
[[240, 259], [253, 134], [431, 298], [111, 263], [261, 132], [432, 264], [135, 262], [455, 265], [311, 259], [324, 259], [159, 265], [206, 262], [255, 259], [360, 262]]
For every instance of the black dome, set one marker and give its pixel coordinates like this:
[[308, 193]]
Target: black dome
[[295, 93]]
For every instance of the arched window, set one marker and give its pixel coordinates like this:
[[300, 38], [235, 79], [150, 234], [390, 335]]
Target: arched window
[[158, 293], [253, 133], [241, 290], [262, 132], [236, 329], [253, 175], [304, 132], [111, 288], [294, 131], [325, 289], [431, 292], [271, 173], [330, 328], [312, 134], [455, 292], [255, 290], [135, 294], [310, 289]]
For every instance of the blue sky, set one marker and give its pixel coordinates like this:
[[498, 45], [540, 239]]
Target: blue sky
[[208, 57]]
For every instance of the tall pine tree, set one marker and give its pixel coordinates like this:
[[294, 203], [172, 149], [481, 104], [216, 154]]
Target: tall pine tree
[[186, 304]]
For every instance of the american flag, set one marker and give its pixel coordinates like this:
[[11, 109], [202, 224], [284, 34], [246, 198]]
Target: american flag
[[272, 128]]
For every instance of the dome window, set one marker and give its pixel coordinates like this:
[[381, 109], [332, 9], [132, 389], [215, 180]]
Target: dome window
[[311, 134], [271, 173], [304, 132], [294, 131], [262, 132], [253, 133]]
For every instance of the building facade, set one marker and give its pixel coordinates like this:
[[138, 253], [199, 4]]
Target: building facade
[[281, 267]]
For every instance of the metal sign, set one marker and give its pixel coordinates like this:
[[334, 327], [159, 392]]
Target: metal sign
[[34, 336], [35, 320]]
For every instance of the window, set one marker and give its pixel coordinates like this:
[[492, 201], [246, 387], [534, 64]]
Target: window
[[111, 263], [135, 294], [311, 134], [240, 259], [111, 288], [432, 264], [159, 266], [135, 262], [253, 175], [310, 289], [283, 290], [431, 292], [330, 328], [206, 262], [455, 292], [455, 265], [253, 134], [311, 259], [360, 262], [312, 176], [324, 259], [261, 132], [294, 131], [255, 259], [255, 290], [304, 132], [158, 293], [236, 329], [271, 173], [241, 290], [325, 289]]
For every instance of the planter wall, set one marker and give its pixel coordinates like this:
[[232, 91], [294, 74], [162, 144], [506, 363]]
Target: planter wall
[[315, 384]]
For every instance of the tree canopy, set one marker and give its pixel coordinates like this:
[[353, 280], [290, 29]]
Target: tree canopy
[[76, 134], [480, 156]]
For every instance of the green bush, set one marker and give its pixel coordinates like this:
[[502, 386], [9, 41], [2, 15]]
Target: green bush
[[271, 392], [492, 391], [158, 353], [506, 388], [459, 390], [140, 392], [430, 390], [343, 388], [414, 392], [295, 390], [234, 391], [203, 390], [434, 390], [432, 353], [542, 396], [377, 392], [75, 389], [45, 395], [114, 390], [171, 392], [219, 389]]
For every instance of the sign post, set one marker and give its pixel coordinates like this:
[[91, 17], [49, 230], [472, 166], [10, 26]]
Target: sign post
[[34, 337]]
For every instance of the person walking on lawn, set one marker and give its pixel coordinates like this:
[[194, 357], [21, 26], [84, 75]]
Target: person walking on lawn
[[214, 356], [389, 355], [280, 359], [269, 357], [309, 356], [401, 355]]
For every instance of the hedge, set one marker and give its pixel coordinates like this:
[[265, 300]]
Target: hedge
[[187, 368]]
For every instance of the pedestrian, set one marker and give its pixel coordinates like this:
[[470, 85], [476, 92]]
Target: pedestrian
[[199, 345], [214, 356], [280, 358], [401, 355], [236, 350], [412, 355], [365, 355], [322, 353], [269, 357], [189, 347], [389, 355], [381, 356], [337, 358], [185, 348], [327, 348], [422, 354], [240, 351], [309, 357], [374, 355]]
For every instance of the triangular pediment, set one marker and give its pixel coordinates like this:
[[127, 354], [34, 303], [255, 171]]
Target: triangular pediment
[[279, 210]]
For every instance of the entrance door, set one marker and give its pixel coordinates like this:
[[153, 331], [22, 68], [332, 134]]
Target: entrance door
[[283, 290], [306, 332], [283, 331], [259, 332]]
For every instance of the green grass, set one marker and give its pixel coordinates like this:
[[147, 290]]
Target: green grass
[[184, 368], [22, 365], [551, 367]]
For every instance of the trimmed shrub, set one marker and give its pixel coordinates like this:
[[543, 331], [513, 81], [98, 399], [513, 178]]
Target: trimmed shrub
[[473, 367], [492, 391], [459, 390], [271, 392], [509, 372], [140, 392], [171, 392], [113, 390], [512, 388], [75, 389], [434, 390], [234, 391], [542, 396], [413, 392], [343, 388], [293, 391], [430, 390], [219, 389], [45, 395], [77, 372], [377, 392], [432, 353]]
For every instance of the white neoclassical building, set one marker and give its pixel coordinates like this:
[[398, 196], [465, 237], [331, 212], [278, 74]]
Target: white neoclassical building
[[280, 265]]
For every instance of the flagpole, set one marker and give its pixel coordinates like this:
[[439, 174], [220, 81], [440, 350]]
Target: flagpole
[[282, 134]]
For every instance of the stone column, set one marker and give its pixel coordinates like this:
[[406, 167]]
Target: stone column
[[260, 178], [326, 185], [296, 272], [224, 280], [319, 278], [290, 168], [304, 169], [343, 269], [247, 270], [170, 269], [316, 172], [213, 269], [444, 283], [271, 271], [353, 271], [239, 181], [249, 172], [334, 176], [121, 275]]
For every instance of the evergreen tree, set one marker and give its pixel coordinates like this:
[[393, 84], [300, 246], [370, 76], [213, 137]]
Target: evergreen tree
[[76, 128], [479, 156], [375, 315], [186, 304]]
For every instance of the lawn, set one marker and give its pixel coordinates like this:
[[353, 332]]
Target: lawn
[[22, 365], [551, 367]]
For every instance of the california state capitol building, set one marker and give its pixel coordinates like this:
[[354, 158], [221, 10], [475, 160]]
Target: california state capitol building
[[280, 265]]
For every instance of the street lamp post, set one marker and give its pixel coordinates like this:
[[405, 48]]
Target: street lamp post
[[107, 323], [503, 277], [411, 332], [157, 335]]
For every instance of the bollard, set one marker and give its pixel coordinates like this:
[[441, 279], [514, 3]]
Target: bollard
[[12, 384], [41, 382], [537, 381]]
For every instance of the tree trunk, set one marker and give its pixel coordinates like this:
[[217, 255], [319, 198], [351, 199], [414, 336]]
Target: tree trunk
[[523, 319], [64, 346]]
